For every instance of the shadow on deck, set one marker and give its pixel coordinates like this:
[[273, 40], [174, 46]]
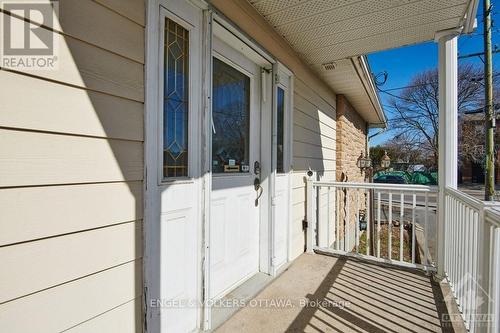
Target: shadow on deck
[[346, 295]]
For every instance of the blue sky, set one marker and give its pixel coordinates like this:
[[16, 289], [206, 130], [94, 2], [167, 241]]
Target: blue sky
[[402, 63]]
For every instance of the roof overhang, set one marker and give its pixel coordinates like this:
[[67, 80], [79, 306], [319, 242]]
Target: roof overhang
[[333, 36]]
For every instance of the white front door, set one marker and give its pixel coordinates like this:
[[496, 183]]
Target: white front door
[[236, 160]]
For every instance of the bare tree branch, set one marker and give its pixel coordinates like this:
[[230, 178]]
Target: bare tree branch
[[414, 112]]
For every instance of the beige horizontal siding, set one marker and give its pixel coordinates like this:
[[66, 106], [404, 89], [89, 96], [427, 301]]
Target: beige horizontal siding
[[33, 158], [307, 99], [71, 172], [63, 109], [62, 259], [30, 213], [62, 307], [105, 29], [302, 164], [125, 318], [131, 9], [84, 65], [314, 147], [304, 119], [307, 135], [313, 151]]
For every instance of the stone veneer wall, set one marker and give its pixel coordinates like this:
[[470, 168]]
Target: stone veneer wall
[[351, 141]]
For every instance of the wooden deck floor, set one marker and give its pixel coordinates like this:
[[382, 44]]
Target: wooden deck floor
[[345, 295]]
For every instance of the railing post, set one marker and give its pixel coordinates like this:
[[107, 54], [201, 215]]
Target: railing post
[[310, 213], [495, 280], [483, 279]]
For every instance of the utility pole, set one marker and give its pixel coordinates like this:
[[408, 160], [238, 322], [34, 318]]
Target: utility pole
[[489, 189]]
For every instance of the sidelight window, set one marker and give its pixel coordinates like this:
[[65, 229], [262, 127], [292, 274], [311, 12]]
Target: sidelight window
[[175, 103], [280, 110]]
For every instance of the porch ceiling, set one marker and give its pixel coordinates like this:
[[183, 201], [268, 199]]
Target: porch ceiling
[[324, 31]]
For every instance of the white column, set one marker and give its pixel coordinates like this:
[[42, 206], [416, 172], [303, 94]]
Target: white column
[[448, 132]]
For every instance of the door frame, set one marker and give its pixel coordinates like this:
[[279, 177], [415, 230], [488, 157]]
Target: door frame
[[152, 239], [151, 248], [280, 70], [228, 33]]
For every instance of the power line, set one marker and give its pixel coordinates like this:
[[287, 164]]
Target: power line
[[425, 84], [404, 87], [477, 54]]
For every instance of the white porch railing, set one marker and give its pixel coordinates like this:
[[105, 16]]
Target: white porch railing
[[388, 214], [471, 259], [471, 237]]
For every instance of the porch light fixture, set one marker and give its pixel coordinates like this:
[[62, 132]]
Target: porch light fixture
[[386, 161], [363, 162]]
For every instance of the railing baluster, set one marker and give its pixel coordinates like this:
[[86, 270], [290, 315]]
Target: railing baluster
[[324, 216], [449, 228], [494, 287], [459, 253], [378, 225], [455, 242], [426, 234], [389, 228], [401, 226], [465, 245], [319, 223], [328, 219], [461, 256], [468, 251], [368, 225], [474, 255], [337, 218], [347, 224], [458, 250], [356, 223], [451, 247], [413, 230], [455, 233]]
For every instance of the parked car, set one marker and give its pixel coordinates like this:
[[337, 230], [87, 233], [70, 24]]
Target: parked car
[[391, 179]]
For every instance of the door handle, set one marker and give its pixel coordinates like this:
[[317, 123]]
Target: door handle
[[258, 189]]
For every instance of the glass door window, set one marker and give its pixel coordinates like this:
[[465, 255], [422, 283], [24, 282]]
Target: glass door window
[[231, 119]]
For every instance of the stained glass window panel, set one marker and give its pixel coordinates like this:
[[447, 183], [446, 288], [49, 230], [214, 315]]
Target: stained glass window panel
[[231, 119], [175, 105]]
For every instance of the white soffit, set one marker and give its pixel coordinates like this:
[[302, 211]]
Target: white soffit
[[324, 31]]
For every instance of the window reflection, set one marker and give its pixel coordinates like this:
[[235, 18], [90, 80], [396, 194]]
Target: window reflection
[[231, 119]]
